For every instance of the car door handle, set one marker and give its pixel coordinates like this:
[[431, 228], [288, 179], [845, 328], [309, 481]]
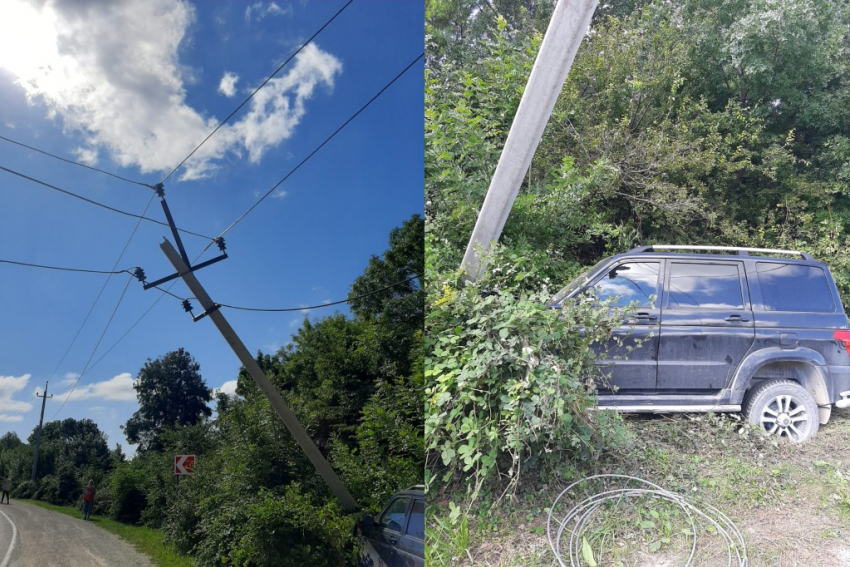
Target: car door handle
[[736, 318], [393, 540], [645, 317]]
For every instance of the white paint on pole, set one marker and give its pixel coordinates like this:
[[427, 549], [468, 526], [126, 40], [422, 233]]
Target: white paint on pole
[[322, 466], [8, 556], [557, 52]]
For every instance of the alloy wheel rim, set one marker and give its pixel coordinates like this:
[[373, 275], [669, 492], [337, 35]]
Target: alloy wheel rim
[[785, 415]]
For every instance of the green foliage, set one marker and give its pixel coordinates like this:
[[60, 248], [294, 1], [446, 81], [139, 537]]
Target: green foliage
[[509, 380], [71, 453], [171, 393]]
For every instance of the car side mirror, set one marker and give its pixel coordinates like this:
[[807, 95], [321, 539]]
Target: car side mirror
[[367, 521]]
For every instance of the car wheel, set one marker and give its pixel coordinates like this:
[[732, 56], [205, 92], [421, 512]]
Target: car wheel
[[783, 408]]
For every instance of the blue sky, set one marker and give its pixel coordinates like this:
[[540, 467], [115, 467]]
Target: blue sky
[[132, 88]]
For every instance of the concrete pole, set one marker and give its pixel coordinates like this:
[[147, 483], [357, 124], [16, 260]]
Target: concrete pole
[[560, 44], [307, 445], [43, 397]]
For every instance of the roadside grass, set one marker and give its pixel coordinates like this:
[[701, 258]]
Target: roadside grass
[[790, 502], [148, 541]]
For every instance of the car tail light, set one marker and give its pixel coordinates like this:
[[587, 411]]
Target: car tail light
[[844, 337]]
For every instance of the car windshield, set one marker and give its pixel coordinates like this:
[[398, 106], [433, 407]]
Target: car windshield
[[578, 282]]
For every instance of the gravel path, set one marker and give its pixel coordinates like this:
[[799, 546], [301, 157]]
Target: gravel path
[[34, 537]]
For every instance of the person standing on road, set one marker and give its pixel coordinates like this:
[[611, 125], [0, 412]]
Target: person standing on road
[[7, 486], [88, 500]]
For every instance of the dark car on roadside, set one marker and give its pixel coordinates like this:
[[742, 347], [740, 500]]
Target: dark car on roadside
[[396, 536], [720, 329]]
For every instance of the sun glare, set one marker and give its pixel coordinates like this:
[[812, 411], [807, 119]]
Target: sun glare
[[28, 42]]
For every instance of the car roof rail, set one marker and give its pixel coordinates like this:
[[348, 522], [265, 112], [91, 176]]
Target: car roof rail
[[738, 250], [417, 487]]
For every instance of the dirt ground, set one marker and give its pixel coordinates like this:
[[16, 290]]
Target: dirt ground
[[791, 503]]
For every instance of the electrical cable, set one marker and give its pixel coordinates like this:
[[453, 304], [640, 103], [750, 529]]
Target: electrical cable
[[582, 512], [289, 309], [328, 139], [164, 179], [100, 293], [4, 138], [87, 200], [120, 299], [63, 269]]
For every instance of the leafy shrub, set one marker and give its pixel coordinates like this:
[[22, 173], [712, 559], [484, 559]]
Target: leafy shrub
[[509, 380], [128, 497]]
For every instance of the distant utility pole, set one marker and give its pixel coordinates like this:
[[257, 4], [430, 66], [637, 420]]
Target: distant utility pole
[[43, 397], [560, 44], [185, 270]]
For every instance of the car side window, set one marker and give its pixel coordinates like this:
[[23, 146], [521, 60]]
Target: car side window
[[416, 525], [393, 517], [694, 285], [629, 282], [792, 287]]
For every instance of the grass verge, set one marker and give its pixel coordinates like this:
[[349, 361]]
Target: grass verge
[[791, 502], [145, 540]]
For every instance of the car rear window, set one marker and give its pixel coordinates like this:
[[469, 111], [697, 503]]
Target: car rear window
[[694, 285], [792, 287]]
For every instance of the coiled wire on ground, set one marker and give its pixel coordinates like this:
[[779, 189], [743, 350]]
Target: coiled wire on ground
[[584, 510]]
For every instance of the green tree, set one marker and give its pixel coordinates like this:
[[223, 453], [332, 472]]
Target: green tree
[[171, 392]]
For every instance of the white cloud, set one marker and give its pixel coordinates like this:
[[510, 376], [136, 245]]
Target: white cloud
[[9, 386], [228, 388], [118, 388], [227, 86], [279, 195], [111, 71], [69, 379], [11, 418], [87, 156], [261, 10]]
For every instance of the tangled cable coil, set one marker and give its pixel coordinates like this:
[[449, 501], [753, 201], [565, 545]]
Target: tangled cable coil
[[584, 510]]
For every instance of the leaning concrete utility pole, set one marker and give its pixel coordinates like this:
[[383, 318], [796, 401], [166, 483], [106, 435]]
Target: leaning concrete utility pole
[[43, 397], [560, 44], [212, 310]]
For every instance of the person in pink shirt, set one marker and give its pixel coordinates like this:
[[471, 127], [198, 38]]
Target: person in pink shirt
[[88, 500]]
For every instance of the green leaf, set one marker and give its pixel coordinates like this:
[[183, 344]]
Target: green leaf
[[647, 525], [587, 553]]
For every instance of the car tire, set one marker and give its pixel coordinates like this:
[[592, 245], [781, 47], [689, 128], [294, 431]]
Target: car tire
[[783, 408]]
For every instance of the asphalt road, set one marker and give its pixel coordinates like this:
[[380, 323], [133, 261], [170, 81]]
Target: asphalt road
[[34, 537]]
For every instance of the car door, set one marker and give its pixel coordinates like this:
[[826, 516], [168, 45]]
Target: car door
[[411, 544], [706, 325], [628, 360], [388, 530]]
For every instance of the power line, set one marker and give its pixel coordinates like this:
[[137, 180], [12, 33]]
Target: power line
[[320, 146], [63, 269], [87, 200], [100, 293], [288, 309], [244, 102], [11, 141], [85, 368]]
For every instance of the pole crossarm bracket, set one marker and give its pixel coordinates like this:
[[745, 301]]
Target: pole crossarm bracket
[[185, 257], [161, 281]]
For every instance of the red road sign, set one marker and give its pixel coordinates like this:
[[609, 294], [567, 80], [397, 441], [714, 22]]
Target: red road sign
[[184, 464]]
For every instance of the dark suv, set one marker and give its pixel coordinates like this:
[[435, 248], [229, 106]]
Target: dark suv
[[396, 538], [725, 330]]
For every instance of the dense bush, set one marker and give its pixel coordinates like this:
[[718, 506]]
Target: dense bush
[[509, 378]]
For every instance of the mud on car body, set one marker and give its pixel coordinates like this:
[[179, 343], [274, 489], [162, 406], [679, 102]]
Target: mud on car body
[[721, 329]]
